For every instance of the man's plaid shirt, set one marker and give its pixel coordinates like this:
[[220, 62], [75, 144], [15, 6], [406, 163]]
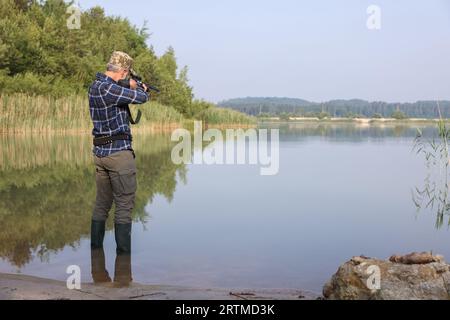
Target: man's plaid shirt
[[107, 104]]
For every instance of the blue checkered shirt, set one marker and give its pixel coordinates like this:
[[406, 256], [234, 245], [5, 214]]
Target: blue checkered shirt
[[107, 105]]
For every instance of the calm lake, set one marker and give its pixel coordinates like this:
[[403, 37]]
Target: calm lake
[[342, 190]]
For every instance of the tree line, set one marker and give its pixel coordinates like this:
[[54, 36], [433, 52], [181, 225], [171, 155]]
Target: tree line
[[337, 108]]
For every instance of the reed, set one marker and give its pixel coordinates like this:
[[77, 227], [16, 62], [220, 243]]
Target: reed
[[434, 194], [224, 116], [22, 113]]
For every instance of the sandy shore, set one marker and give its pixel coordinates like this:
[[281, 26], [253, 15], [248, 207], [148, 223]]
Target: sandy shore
[[22, 287]]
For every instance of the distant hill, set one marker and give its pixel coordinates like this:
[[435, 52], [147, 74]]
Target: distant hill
[[336, 108]]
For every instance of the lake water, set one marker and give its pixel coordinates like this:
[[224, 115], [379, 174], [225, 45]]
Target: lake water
[[342, 190]]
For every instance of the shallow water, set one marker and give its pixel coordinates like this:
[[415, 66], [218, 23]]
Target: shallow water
[[342, 190]]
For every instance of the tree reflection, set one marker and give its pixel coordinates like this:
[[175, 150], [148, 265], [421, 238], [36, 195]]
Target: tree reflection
[[47, 190]]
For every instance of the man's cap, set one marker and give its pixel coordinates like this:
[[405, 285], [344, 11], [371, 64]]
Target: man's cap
[[121, 60]]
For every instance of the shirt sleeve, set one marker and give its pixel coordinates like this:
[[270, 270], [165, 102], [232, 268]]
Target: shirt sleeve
[[119, 95]]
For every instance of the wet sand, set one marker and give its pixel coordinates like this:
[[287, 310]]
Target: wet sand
[[23, 287]]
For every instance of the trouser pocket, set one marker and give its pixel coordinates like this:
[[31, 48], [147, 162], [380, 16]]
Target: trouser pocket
[[127, 181]]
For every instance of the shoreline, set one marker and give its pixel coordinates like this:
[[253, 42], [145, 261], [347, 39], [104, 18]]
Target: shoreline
[[354, 120], [169, 127], [25, 287]]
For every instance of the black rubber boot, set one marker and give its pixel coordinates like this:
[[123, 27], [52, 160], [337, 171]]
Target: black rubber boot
[[97, 234], [123, 238], [98, 269]]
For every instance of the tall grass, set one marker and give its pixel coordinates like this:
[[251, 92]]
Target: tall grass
[[155, 113], [224, 116], [27, 113], [434, 194]]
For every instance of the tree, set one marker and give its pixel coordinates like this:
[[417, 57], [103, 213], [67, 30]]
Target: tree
[[399, 115], [284, 116], [323, 115], [377, 116]]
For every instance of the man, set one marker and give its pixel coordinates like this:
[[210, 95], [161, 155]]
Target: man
[[113, 154]]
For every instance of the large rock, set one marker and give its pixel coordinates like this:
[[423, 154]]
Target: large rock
[[409, 277]]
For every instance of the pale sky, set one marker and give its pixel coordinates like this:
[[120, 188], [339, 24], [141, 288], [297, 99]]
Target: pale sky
[[316, 50]]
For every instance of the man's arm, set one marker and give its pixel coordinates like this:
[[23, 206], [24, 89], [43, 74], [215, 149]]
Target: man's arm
[[119, 95]]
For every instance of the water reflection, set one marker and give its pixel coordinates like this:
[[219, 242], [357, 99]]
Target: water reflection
[[351, 132], [47, 190], [122, 269], [328, 173]]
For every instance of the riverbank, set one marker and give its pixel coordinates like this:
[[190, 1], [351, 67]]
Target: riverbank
[[23, 287]]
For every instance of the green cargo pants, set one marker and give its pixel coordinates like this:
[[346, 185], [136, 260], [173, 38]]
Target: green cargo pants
[[116, 181]]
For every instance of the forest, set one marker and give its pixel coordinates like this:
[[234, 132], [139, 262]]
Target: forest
[[354, 108]]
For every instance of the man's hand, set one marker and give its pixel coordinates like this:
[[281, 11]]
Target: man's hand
[[133, 84]]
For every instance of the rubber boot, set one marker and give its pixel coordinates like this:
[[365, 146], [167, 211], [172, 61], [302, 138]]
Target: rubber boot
[[123, 238], [97, 234]]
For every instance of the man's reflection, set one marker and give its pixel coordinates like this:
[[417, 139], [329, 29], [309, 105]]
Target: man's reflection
[[122, 269]]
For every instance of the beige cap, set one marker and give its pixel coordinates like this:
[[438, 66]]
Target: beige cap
[[121, 60]]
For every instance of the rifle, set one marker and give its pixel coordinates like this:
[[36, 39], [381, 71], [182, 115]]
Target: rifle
[[126, 84], [140, 83]]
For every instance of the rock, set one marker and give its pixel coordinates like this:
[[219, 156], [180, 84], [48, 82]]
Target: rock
[[404, 278], [416, 258]]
